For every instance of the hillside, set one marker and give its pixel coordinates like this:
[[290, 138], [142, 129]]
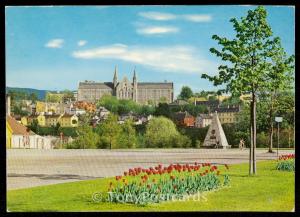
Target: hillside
[[40, 93]]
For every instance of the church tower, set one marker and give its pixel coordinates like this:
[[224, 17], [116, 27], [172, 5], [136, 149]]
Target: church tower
[[115, 81], [134, 86]]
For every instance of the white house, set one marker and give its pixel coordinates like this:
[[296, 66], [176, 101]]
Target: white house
[[203, 120], [22, 137]]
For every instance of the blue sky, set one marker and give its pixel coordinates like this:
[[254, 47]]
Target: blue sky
[[54, 48]]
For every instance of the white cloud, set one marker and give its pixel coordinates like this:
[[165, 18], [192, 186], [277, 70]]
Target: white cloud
[[81, 43], [55, 43], [177, 59], [152, 15], [197, 17], [157, 30]]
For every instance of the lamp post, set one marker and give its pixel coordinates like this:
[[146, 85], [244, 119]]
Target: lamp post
[[278, 120]]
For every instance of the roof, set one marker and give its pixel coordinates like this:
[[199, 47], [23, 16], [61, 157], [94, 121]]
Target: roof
[[208, 103], [66, 115], [96, 85], [227, 109], [17, 128], [52, 116], [155, 85], [181, 115], [205, 116]]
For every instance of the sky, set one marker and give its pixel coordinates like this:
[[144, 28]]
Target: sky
[[53, 48]]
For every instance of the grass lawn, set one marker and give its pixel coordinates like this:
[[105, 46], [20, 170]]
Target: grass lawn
[[269, 190]]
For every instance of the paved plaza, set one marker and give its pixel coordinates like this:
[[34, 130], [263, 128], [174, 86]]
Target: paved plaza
[[32, 167]]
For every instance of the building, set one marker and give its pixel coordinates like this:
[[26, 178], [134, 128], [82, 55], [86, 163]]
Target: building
[[140, 92], [228, 115], [19, 136], [203, 120], [68, 120], [211, 104], [184, 119]]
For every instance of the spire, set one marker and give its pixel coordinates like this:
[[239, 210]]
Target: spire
[[115, 79], [115, 74], [134, 74]]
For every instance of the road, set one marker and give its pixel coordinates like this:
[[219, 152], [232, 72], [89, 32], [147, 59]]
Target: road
[[29, 168]]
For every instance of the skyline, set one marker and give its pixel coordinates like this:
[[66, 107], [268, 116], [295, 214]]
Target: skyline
[[62, 45]]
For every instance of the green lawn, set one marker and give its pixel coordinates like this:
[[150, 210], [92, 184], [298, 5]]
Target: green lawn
[[270, 190]]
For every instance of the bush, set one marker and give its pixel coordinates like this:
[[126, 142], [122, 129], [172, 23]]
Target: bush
[[196, 135], [160, 133], [262, 140], [181, 141]]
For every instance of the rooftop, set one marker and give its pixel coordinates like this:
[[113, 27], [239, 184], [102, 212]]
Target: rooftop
[[17, 128]]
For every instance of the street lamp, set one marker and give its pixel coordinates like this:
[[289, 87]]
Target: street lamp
[[278, 120]]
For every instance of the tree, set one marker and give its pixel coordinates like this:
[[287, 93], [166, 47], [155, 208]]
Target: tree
[[33, 97], [109, 102], [34, 126], [109, 131], [280, 80], [186, 93], [160, 132], [162, 110], [232, 101], [250, 57], [68, 95], [86, 138], [127, 137]]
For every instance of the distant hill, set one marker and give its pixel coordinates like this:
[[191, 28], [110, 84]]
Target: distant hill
[[40, 93]]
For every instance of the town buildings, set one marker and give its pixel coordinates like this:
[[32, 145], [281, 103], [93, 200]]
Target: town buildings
[[47, 120], [140, 92], [228, 115], [203, 120], [184, 119], [19, 136]]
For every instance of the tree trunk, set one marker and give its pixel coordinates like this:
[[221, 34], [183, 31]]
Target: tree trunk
[[271, 128], [251, 139], [289, 136], [254, 134]]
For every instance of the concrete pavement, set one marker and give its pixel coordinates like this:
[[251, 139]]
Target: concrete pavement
[[29, 168]]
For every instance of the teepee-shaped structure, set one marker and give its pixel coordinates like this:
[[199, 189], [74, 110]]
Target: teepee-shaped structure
[[215, 137]]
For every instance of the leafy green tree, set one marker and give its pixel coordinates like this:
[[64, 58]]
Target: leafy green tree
[[146, 110], [249, 56], [109, 132], [34, 126], [160, 133], [109, 102], [127, 137], [186, 93], [126, 106], [280, 80], [231, 101], [33, 97], [162, 110], [67, 95], [212, 98], [16, 109], [86, 138], [53, 97]]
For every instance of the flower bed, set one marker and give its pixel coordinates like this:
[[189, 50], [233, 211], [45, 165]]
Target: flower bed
[[286, 162], [153, 185]]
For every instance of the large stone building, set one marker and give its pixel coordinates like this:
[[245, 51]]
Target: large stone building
[[140, 92]]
